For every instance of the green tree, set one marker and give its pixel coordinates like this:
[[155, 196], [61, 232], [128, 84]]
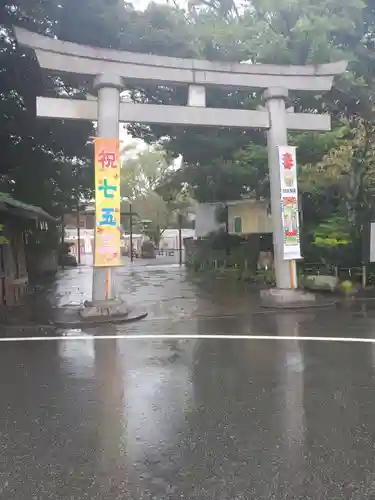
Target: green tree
[[223, 164], [142, 174], [218, 163], [349, 171], [232, 162], [36, 153]]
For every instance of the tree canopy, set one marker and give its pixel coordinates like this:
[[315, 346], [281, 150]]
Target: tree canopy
[[142, 173], [232, 162], [41, 158]]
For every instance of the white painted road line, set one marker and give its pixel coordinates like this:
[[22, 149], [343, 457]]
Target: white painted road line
[[189, 336]]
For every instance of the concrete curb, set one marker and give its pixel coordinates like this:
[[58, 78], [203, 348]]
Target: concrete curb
[[75, 320], [133, 315], [294, 307]]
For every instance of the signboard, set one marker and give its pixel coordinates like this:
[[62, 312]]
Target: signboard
[[371, 236], [289, 202], [107, 203]]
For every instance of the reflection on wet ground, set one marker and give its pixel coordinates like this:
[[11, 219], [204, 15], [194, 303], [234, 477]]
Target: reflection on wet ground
[[195, 419]]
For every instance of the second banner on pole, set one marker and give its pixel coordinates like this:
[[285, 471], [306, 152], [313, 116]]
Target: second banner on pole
[[289, 202]]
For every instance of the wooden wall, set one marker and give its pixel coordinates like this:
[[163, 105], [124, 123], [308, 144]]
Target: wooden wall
[[13, 269]]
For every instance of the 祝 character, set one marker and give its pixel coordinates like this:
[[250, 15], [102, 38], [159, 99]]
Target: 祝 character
[[108, 159]]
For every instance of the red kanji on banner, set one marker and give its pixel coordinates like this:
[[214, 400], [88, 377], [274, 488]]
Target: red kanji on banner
[[288, 161], [107, 159]]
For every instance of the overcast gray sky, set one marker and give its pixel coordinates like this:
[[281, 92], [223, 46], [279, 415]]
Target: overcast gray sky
[[141, 5]]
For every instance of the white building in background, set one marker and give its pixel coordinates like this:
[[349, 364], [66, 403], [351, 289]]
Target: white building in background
[[206, 219], [245, 216], [168, 241], [249, 216], [86, 238]]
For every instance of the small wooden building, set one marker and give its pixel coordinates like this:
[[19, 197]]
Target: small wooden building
[[15, 218]]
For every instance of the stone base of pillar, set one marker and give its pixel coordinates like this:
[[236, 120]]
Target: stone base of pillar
[[113, 309], [291, 299]]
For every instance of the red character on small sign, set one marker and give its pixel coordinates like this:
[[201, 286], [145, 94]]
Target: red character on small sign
[[288, 161]]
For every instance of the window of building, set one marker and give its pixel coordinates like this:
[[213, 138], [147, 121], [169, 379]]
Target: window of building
[[238, 225]]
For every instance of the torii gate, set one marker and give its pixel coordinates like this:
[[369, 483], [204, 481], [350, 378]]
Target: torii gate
[[112, 69]]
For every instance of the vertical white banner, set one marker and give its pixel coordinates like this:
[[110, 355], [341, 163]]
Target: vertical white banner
[[372, 242], [289, 202]]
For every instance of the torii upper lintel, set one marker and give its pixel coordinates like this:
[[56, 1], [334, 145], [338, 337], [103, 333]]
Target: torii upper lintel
[[70, 57]]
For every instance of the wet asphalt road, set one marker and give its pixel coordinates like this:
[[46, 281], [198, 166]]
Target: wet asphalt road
[[191, 419]]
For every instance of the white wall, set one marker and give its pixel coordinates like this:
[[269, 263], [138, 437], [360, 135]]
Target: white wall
[[205, 219], [86, 238], [170, 238]]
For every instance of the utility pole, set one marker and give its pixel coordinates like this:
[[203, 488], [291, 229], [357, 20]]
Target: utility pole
[[131, 231], [78, 214], [180, 237], [62, 229], [62, 238]]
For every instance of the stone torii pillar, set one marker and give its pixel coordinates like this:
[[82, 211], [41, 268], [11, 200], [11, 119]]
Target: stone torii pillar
[[277, 135], [108, 88]]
